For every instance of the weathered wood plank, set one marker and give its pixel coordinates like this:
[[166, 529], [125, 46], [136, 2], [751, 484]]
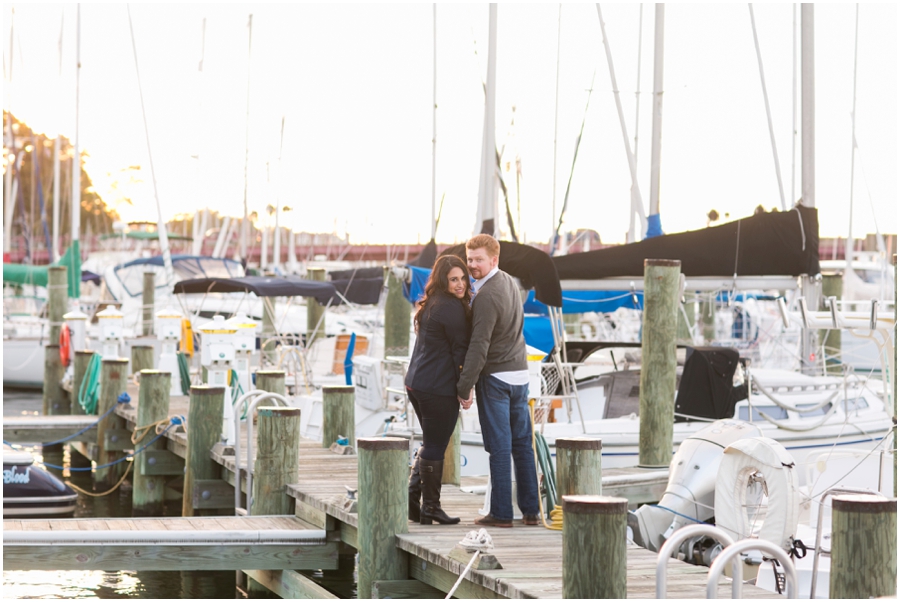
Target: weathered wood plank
[[408, 588], [290, 585]]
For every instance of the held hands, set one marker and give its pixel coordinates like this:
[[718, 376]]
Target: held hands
[[466, 403]]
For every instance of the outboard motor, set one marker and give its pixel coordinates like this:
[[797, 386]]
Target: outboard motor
[[690, 492]]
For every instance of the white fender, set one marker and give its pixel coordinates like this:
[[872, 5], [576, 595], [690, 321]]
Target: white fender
[[742, 459]]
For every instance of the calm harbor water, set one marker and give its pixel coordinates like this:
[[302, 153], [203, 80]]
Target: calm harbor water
[[126, 584]]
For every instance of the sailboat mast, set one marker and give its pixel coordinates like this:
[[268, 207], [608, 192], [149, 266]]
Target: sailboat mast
[[75, 279], [245, 223], [8, 183], [54, 251], [808, 108], [794, 107], [434, 129], [276, 247], [487, 221], [848, 249], [555, 127], [637, 119], [654, 227]]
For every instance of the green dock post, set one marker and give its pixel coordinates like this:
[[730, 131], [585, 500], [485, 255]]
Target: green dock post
[[578, 466], [148, 493], [277, 462], [396, 317], [315, 324], [383, 508], [452, 463], [267, 353], [271, 381], [686, 321], [338, 415], [113, 382], [141, 358], [82, 359], [657, 390], [832, 286], [895, 375], [204, 429], [863, 547], [58, 293], [55, 398], [594, 548], [147, 302]]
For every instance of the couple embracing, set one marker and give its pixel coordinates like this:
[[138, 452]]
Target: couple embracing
[[469, 338]]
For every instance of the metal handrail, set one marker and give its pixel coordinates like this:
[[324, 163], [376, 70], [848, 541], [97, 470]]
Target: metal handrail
[[818, 548], [235, 408], [674, 542], [732, 551]]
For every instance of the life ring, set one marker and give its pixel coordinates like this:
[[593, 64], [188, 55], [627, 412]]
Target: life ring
[[65, 345], [742, 459]]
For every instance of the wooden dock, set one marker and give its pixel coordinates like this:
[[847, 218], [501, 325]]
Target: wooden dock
[[531, 556]]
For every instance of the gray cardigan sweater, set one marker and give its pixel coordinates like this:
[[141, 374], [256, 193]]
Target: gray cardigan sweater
[[497, 343]]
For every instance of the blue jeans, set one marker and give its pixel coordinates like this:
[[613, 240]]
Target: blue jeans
[[506, 430]]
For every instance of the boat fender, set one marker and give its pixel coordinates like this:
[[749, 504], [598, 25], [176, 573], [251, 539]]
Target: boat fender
[[65, 345], [742, 460]]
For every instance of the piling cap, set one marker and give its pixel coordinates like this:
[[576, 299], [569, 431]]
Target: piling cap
[[383, 443], [75, 315], [594, 504], [863, 504], [578, 443]]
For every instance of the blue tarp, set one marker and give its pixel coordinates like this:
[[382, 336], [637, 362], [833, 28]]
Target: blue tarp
[[577, 302]]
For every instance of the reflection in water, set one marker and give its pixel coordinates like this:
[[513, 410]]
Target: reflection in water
[[128, 584]]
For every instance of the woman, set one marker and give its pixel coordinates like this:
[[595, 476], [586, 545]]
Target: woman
[[442, 337]]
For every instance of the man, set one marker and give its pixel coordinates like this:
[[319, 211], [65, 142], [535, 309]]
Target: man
[[496, 360]]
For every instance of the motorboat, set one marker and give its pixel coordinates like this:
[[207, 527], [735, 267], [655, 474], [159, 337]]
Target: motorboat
[[30, 491]]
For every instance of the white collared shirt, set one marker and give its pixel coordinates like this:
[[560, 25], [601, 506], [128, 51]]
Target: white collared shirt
[[476, 286]]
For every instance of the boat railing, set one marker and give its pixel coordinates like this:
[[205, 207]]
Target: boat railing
[[673, 543], [818, 549]]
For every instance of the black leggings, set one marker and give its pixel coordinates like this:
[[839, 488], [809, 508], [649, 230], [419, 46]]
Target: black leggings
[[437, 414]]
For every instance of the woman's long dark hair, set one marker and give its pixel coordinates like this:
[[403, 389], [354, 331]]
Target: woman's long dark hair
[[439, 283]]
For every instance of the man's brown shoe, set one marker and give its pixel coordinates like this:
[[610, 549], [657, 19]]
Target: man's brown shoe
[[490, 521], [531, 519]]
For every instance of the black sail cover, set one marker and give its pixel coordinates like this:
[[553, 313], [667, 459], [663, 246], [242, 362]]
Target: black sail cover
[[533, 267], [706, 389], [781, 243]]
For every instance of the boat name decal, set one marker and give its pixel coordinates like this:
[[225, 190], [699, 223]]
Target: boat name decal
[[11, 476]]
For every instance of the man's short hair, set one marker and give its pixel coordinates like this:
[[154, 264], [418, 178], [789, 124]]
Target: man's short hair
[[486, 242]]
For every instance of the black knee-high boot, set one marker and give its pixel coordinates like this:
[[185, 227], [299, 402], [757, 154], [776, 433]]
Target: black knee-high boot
[[415, 490], [431, 472]]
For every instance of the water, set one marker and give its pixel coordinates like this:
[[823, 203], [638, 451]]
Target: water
[[127, 584]]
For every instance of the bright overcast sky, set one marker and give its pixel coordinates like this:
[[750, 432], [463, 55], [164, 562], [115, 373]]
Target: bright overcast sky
[[353, 84]]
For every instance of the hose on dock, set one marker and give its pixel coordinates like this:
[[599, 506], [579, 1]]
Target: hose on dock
[[89, 391], [544, 461]]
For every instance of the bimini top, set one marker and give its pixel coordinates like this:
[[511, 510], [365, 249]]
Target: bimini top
[[289, 286]]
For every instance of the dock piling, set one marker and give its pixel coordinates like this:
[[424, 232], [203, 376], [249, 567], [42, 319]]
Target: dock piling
[[113, 382], [148, 493], [338, 415], [863, 547], [594, 548], [204, 429], [271, 381], [397, 312], [658, 362], [147, 301], [315, 325], [578, 466], [832, 286], [452, 461], [141, 358], [277, 460], [383, 507]]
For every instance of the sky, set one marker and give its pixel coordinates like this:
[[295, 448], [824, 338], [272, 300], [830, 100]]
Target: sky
[[340, 110]]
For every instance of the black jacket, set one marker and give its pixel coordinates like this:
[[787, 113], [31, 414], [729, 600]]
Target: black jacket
[[440, 349]]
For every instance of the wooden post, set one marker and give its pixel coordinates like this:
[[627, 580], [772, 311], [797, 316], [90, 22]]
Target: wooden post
[[657, 390], [708, 318], [55, 398], [141, 358], [314, 310], [267, 352], [204, 429], [832, 286], [895, 376], [686, 321], [338, 415], [277, 460], [148, 492], [82, 359], [383, 507], [863, 547], [113, 381], [58, 293], [578, 466], [271, 381], [396, 317], [452, 464], [594, 549], [147, 303]]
